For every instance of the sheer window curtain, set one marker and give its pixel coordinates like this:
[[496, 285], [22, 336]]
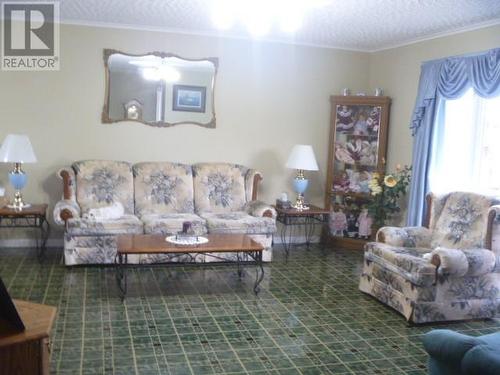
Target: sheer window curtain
[[464, 156]]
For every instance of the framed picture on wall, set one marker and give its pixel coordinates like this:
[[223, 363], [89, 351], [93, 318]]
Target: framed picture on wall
[[189, 98]]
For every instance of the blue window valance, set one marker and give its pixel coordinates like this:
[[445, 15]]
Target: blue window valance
[[446, 78]]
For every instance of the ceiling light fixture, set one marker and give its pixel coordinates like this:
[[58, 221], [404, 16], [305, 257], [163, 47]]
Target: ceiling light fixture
[[259, 15], [166, 73], [291, 20], [224, 13]]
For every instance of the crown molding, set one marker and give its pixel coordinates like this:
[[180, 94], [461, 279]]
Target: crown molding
[[208, 33], [460, 30]]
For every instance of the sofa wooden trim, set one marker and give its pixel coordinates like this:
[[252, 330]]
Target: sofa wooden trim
[[66, 214]]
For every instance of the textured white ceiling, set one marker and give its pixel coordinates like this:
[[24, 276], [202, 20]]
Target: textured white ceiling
[[366, 25]]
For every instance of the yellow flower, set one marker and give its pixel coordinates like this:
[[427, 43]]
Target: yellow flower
[[390, 181], [375, 176]]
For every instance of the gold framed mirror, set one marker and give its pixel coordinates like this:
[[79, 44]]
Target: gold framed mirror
[[159, 89]]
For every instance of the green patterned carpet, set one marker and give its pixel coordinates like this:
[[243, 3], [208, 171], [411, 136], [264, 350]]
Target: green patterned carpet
[[309, 318]]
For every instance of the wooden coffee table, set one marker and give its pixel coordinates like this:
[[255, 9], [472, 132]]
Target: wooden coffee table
[[217, 244]]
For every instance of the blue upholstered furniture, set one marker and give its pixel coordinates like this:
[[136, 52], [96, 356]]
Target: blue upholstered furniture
[[452, 353]]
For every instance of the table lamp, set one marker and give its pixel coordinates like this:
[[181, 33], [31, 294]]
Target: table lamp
[[302, 159], [17, 149]]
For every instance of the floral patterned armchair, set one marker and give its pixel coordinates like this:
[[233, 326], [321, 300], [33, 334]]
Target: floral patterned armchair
[[444, 271], [157, 198]]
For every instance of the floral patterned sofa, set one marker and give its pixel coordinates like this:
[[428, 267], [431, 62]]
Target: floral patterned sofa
[[444, 271], [157, 198]]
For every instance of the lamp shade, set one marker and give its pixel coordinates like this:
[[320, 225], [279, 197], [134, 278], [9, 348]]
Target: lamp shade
[[302, 157], [17, 149]]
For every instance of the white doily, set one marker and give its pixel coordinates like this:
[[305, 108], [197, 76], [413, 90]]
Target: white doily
[[188, 241]]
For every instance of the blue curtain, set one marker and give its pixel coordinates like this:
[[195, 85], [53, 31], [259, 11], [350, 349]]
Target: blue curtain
[[447, 78]]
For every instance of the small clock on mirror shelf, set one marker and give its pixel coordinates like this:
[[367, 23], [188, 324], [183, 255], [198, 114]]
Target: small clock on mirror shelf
[[133, 110], [357, 152]]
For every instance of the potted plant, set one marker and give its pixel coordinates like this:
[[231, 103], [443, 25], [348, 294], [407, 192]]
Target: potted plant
[[386, 191]]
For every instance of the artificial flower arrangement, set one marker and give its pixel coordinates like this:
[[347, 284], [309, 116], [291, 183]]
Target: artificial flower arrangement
[[386, 191]]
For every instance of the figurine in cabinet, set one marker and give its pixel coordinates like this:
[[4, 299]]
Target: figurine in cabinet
[[338, 223], [364, 224], [345, 121], [352, 229], [374, 120], [343, 182], [361, 126]]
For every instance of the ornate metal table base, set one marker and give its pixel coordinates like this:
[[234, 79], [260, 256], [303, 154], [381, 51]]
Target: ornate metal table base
[[31, 217], [122, 264], [295, 221]]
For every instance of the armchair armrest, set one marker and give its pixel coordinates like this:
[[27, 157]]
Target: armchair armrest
[[449, 261], [481, 261], [493, 213], [405, 236], [448, 346], [470, 262], [66, 209], [260, 209]]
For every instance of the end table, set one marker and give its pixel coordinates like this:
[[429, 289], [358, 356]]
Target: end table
[[34, 216], [292, 218]]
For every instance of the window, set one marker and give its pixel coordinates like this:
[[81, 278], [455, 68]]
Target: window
[[466, 149]]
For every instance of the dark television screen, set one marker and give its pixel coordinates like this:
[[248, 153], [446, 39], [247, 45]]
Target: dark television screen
[[8, 312]]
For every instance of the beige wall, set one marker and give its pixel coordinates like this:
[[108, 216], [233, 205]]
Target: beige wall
[[269, 97], [397, 71]]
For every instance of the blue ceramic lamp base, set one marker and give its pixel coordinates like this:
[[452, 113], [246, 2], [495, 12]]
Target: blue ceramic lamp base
[[300, 184], [18, 180]]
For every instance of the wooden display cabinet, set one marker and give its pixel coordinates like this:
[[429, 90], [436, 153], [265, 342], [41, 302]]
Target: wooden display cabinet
[[358, 143]]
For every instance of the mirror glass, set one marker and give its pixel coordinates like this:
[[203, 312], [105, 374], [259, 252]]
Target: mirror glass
[[159, 89]]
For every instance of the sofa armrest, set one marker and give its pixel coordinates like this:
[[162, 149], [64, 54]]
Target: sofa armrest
[[405, 236], [252, 181], [67, 174], [448, 346], [66, 209], [260, 209]]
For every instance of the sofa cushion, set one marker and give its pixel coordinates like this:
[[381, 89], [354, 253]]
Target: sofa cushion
[[163, 188], [102, 182], [219, 187], [172, 223], [462, 223], [238, 222], [90, 227]]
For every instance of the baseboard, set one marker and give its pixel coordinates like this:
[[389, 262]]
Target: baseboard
[[30, 242], [58, 242], [296, 239]]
